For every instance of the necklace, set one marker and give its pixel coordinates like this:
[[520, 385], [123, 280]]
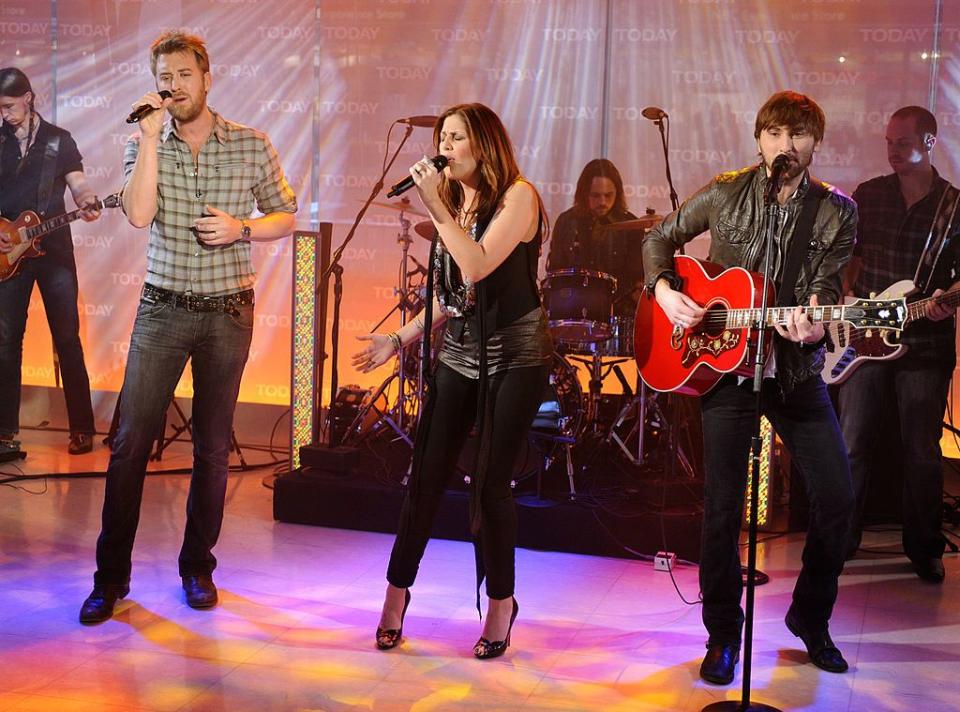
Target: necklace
[[27, 141]]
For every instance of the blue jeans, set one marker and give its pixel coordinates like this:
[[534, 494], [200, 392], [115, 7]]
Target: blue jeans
[[915, 389], [806, 422], [56, 276], [163, 338]]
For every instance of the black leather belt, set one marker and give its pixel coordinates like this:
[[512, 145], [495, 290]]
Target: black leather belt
[[197, 302]]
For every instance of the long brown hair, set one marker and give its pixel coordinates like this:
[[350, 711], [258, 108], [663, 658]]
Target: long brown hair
[[600, 168], [496, 161]]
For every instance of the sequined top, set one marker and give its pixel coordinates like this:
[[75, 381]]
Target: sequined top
[[525, 342], [521, 343]]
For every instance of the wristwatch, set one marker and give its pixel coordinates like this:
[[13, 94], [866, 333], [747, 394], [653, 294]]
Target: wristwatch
[[244, 230]]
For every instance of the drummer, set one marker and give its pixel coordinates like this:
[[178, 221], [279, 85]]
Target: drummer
[[579, 234]]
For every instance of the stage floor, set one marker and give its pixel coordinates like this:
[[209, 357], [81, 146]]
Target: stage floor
[[299, 605]]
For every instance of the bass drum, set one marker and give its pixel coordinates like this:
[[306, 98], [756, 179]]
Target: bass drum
[[579, 304], [560, 419]]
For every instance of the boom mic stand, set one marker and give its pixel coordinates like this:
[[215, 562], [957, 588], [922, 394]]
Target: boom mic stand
[[756, 446], [336, 269], [662, 121]]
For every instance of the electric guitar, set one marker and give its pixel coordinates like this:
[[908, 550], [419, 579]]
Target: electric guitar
[[691, 361], [27, 230], [849, 346]]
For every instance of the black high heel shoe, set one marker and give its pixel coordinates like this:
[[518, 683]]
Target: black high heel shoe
[[388, 638], [486, 649]]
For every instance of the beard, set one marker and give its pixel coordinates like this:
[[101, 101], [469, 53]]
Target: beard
[[187, 112]]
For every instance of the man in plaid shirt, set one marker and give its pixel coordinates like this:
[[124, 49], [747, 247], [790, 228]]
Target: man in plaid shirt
[[897, 212], [194, 181]]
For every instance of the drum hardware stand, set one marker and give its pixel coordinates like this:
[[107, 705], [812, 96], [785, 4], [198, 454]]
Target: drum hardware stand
[[407, 297], [597, 377], [644, 402], [335, 269], [384, 416], [547, 460]]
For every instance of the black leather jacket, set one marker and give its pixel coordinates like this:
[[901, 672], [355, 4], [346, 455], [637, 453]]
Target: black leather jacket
[[731, 207]]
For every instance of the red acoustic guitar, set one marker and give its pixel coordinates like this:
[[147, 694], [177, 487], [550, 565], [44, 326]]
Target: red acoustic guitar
[[26, 231], [691, 361]]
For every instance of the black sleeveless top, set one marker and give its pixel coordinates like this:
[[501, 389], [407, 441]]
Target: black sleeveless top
[[515, 324]]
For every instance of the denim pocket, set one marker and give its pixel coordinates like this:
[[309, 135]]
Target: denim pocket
[[242, 316], [149, 307]]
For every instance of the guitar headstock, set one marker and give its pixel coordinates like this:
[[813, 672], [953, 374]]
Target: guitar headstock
[[888, 314], [111, 201]]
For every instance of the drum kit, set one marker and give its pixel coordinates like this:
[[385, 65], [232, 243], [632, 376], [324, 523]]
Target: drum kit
[[589, 329]]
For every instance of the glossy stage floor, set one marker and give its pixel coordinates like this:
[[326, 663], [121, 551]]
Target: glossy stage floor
[[299, 604]]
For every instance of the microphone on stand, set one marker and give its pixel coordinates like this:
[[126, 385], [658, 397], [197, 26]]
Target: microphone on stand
[[654, 113], [440, 162], [145, 109], [423, 122], [775, 181]]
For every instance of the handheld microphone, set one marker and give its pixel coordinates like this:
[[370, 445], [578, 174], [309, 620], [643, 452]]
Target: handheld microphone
[[407, 183], [777, 171], [654, 113], [145, 109], [424, 122]]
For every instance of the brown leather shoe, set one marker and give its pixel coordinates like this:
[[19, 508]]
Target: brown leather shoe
[[200, 590], [80, 443], [100, 603]]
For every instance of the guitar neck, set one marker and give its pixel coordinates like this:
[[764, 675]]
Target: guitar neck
[[51, 224], [918, 309], [748, 318]]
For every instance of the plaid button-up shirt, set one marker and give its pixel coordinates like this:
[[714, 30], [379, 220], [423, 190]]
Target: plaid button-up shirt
[[890, 243], [236, 169]]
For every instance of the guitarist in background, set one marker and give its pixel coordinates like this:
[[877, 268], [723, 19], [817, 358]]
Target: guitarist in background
[[899, 212], [38, 161], [794, 396]]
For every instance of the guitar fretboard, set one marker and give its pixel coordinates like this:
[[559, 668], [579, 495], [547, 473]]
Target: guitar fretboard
[[918, 309], [51, 224], [881, 314], [749, 318]]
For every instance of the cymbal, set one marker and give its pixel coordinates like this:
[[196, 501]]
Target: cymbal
[[424, 229], [647, 222], [403, 205]]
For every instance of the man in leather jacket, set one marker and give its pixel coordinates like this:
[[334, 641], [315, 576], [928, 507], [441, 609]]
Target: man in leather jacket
[[794, 396]]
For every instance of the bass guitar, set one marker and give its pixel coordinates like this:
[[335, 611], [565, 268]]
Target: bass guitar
[[691, 361], [849, 346], [28, 229]]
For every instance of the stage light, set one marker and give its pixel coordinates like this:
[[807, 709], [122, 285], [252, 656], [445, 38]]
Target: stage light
[[766, 467], [306, 265]]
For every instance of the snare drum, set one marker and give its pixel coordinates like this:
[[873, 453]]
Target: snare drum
[[621, 342], [579, 304]]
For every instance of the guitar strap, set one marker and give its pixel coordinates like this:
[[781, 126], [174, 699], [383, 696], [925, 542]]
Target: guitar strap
[[937, 238], [802, 235], [48, 173]]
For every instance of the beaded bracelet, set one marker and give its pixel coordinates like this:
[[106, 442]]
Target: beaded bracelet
[[395, 340]]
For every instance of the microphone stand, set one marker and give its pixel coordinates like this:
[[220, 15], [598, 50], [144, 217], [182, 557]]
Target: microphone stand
[[772, 210], [336, 269], [664, 140], [673, 432]]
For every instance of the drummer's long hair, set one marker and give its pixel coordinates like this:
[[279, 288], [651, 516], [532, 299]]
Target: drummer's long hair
[[599, 168], [496, 161]]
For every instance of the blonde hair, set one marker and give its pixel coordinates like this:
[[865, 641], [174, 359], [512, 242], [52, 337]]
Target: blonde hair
[[173, 41]]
